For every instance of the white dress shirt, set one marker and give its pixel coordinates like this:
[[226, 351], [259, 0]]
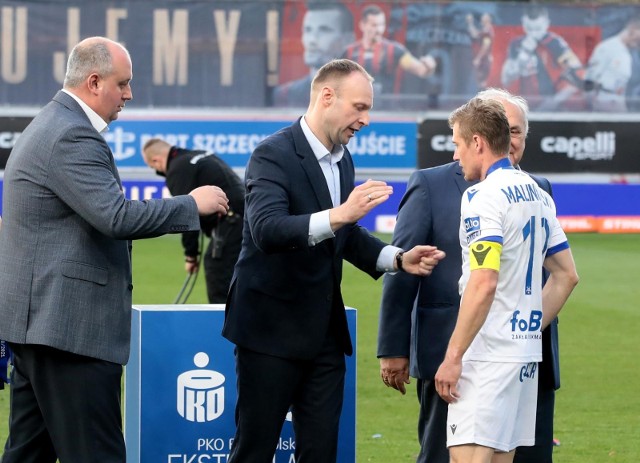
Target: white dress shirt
[[319, 223]]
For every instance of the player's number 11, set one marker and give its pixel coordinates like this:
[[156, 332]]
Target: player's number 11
[[529, 231]]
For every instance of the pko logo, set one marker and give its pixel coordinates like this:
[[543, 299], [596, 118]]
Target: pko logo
[[200, 392], [472, 224], [533, 324]]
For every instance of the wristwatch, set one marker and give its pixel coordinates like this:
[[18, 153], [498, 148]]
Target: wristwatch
[[399, 257]]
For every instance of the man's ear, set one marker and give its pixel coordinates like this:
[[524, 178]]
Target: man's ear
[[93, 83], [477, 142], [327, 94]]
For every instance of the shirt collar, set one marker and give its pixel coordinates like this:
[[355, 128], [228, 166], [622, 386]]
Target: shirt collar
[[319, 150], [97, 122], [503, 163]]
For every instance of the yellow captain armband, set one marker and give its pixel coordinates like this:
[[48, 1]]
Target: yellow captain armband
[[485, 254]]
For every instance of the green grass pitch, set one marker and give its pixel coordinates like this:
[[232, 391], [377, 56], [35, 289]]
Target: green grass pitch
[[597, 408]]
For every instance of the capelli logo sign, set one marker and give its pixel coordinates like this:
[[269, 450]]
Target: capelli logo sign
[[600, 147]]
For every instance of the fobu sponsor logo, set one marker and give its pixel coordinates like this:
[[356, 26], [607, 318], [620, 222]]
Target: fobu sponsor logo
[[601, 147], [472, 224], [520, 324]]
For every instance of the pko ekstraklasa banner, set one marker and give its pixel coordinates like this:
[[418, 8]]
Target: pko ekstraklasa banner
[[181, 389]]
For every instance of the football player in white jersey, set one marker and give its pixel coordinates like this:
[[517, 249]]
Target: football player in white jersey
[[508, 231]]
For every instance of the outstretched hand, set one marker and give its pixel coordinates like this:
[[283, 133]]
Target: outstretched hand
[[210, 200], [421, 260], [362, 199]]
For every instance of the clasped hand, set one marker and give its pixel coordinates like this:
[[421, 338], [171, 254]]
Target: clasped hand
[[421, 260], [394, 372]]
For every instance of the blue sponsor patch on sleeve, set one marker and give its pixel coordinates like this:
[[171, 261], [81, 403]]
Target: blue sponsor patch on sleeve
[[472, 224]]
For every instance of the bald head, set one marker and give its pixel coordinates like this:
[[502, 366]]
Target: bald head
[[94, 55], [155, 153], [99, 72], [333, 74]]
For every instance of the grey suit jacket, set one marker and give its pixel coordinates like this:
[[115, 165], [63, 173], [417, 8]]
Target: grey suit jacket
[[65, 260]]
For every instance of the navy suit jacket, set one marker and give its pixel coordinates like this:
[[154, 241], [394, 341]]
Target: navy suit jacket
[[284, 293], [417, 315]]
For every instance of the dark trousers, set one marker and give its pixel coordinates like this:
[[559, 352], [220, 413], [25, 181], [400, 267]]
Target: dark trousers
[[218, 270], [63, 406], [432, 424], [269, 386], [542, 451]]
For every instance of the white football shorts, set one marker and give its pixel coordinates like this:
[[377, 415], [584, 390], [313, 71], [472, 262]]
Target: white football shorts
[[497, 406]]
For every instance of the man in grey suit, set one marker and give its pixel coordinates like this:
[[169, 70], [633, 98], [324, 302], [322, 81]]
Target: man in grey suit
[[65, 265], [412, 337]]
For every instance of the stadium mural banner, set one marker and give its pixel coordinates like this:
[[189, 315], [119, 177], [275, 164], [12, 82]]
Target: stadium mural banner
[[382, 145], [254, 53], [553, 146]]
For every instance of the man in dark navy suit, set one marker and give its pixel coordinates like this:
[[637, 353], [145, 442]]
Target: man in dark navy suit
[[285, 311], [412, 337]]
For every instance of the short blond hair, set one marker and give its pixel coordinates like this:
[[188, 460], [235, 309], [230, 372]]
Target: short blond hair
[[486, 118], [336, 70]]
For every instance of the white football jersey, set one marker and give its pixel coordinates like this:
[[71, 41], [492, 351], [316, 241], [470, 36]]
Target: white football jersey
[[509, 224]]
